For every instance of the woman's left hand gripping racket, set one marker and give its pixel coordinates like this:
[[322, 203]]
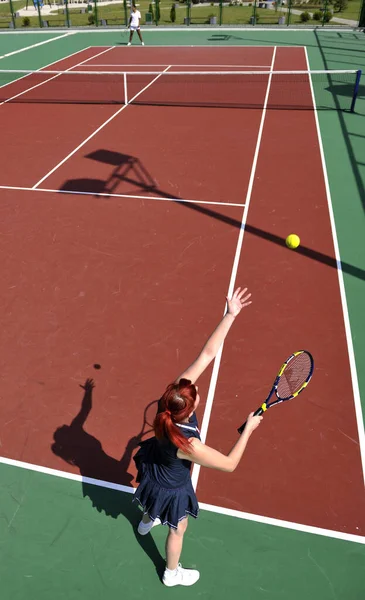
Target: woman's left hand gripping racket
[[293, 377]]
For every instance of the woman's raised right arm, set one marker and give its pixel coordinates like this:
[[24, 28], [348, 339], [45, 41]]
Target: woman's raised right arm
[[205, 456]]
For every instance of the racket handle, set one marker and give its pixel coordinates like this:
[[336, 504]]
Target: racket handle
[[257, 413]]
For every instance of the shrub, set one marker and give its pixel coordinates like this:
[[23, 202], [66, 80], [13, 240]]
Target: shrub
[[150, 10], [305, 16], [91, 19], [173, 13], [26, 22], [317, 16]]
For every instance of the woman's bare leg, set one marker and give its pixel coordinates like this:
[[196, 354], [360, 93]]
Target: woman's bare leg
[[174, 543], [139, 35]]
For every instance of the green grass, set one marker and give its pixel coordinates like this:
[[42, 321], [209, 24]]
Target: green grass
[[352, 11], [5, 14], [5, 7]]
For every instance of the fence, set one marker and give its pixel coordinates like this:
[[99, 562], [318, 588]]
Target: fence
[[115, 13]]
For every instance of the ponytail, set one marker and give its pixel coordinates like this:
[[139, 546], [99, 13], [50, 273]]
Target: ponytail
[[176, 405]]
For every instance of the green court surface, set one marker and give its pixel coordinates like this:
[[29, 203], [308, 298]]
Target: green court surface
[[56, 545], [64, 539]]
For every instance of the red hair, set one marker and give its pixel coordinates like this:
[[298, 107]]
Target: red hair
[[176, 404]]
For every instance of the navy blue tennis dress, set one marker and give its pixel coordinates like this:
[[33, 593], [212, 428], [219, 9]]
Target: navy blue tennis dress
[[165, 490]]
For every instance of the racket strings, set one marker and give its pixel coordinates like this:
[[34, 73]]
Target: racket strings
[[294, 375]]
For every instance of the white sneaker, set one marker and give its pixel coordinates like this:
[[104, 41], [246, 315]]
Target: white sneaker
[[142, 43], [128, 44], [180, 576], [144, 528]]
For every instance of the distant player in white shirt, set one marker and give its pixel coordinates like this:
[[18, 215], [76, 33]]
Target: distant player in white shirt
[[133, 24]]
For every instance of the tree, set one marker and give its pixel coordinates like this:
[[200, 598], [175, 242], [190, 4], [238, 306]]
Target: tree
[[173, 13], [340, 5]]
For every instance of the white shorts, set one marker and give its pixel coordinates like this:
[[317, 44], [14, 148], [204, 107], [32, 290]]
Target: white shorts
[[135, 28]]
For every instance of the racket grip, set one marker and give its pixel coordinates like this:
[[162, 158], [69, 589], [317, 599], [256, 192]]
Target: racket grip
[[257, 413]]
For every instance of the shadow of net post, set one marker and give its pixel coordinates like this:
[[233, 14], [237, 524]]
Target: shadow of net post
[[127, 169]]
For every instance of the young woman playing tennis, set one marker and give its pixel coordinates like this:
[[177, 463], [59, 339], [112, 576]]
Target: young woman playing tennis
[[165, 490], [134, 24]]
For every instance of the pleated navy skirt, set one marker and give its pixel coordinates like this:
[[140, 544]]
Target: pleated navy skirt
[[158, 500]]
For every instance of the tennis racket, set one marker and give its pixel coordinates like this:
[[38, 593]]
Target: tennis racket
[[294, 375]]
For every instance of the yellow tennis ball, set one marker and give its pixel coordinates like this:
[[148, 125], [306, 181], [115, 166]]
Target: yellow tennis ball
[[292, 241]]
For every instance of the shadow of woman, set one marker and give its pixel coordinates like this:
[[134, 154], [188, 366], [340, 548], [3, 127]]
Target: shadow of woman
[[77, 447]]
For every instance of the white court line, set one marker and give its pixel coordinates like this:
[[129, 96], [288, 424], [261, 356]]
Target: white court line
[[45, 66], [345, 312], [97, 131], [220, 510], [339, 535], [184, 29], [49, 79], [173, 66], [107, 195], [221, 48], [59, 37], [217, 361], [192, 28], [168, 73]]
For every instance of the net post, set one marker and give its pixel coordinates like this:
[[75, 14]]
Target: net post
[[96, 13], [12, 13], [221, 12], [125, 88], [356, 90]]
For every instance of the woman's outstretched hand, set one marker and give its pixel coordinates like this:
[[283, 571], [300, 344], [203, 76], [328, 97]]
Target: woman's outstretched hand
[[239, 300]]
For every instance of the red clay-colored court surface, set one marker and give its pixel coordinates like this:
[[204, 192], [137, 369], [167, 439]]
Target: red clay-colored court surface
[[122, 230]]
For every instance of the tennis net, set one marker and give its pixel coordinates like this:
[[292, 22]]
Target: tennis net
[[226, 89]]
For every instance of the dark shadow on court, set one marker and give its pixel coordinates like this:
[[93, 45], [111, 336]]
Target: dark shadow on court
[[125, 168], [94, 186], [144, 183], [326, 34], [354, 159], [77, 447], [276, 239]]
